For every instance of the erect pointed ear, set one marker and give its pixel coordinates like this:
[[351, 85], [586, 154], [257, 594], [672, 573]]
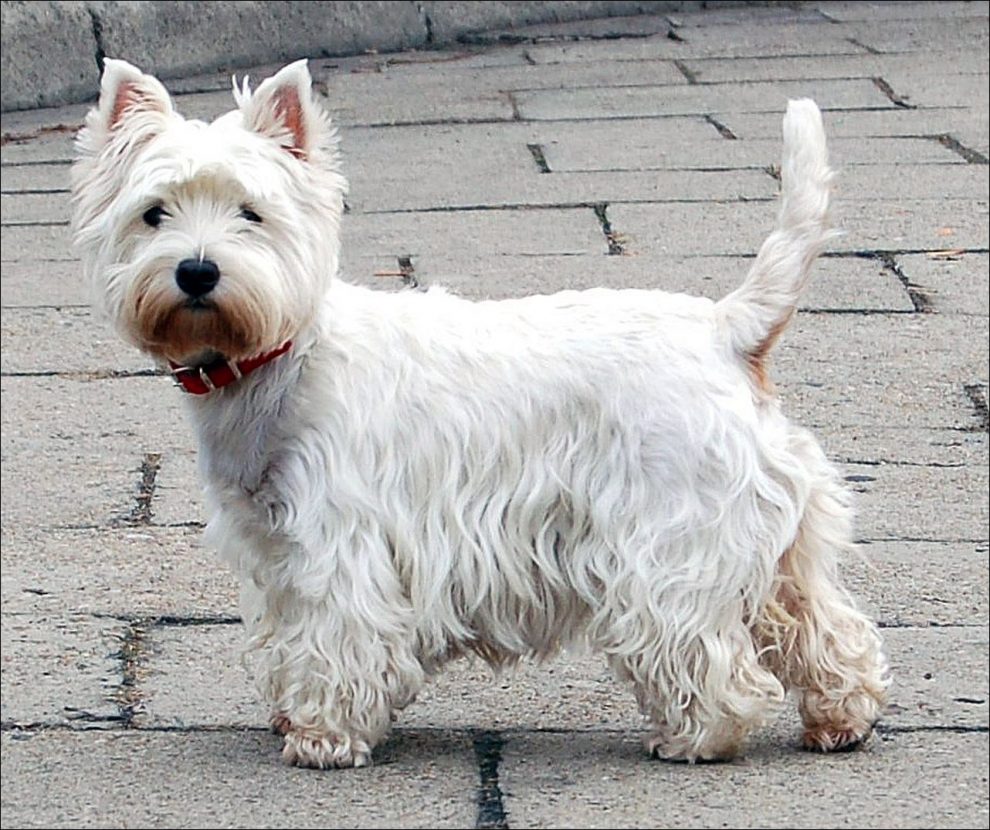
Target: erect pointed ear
[[125, 90], [283, 108]]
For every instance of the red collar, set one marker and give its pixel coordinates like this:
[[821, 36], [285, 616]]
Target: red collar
[[200, 380]]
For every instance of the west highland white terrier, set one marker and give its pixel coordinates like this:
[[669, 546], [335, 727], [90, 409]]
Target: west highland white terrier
[[402, 478]]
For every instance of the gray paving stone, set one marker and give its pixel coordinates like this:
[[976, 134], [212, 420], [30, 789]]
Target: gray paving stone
[[231, 778], [894, 181], [906, 502], [956, 284], [54, 149], [903, 780], [570, 231], [847, 11], [53, 178], [140, 571], [67, 340], [32, 208], [410, 78], [937, 90], [641, 101], [35, 244], [873, 350], [490, 164], [59, 670], [839, 371], [856, 444], [838, 284], [920, 583], [75, 446], [30, 125], [828, 400], [953, 34], [30, 284], [739, 229], [609, 146], [881, 123], [728, 40], [722, 70], [975, 137]]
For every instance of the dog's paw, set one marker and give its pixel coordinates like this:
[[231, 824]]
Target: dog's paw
[[659, 747], [831, 738], [322, 751]]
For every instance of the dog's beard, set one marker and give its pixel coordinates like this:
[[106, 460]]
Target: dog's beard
[[234, 322]]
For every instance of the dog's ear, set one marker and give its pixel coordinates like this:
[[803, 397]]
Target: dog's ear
[[125, 91], [283, 109], [129, 99]]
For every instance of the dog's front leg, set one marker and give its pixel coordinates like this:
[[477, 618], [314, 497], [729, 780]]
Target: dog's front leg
[[335, 663]]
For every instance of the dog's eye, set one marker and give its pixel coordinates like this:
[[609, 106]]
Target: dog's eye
[[250, 215], [153, 216]]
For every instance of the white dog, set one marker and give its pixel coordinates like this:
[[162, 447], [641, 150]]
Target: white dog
[[401, 478]]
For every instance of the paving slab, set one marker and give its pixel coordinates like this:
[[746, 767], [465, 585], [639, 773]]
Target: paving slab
[[724, 41], [35, 178], [909, 502], [723, 70], [905, 780], [36, 243], [910, 226], [848, 11], [956, 282], [888, 123], [142, 572], [53, 284], [920, 583], [229, 778], [839, 284], [567, 231], [608, 146], [80, 448], [918, 35], [640, 101], [59, 669]]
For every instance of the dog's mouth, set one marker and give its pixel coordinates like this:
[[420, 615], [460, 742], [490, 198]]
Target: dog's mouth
[[199, 304]]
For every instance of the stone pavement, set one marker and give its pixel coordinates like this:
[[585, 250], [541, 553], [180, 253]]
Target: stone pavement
[[628, 152]]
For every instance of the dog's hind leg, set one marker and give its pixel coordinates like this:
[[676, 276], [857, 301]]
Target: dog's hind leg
[[814, 638], [697, 677]]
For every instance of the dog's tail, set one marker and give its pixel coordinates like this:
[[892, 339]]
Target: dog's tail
[[754, 315]]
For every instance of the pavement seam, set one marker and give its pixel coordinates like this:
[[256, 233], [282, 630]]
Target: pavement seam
[[539, 156], [488, 746], [919, 298], [978, 398], [141, 512], [960, 149], [893, 97], [722, 129], [613, 238]]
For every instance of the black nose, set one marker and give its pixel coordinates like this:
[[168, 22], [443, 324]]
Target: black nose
[[197, 276]]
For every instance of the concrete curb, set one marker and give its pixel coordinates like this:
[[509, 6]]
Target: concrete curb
[[50, 50]]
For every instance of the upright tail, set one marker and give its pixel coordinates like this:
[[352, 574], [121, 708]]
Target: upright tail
[[755, 314]]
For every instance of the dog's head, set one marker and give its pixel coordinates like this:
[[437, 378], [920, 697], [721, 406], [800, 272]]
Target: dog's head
[[208, 238]]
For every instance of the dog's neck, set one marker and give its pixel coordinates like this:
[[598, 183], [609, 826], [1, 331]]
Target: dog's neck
[[214, 373], [238, 426]]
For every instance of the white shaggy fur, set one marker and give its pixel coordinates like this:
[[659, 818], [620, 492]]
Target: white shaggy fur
[[422, 476]]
